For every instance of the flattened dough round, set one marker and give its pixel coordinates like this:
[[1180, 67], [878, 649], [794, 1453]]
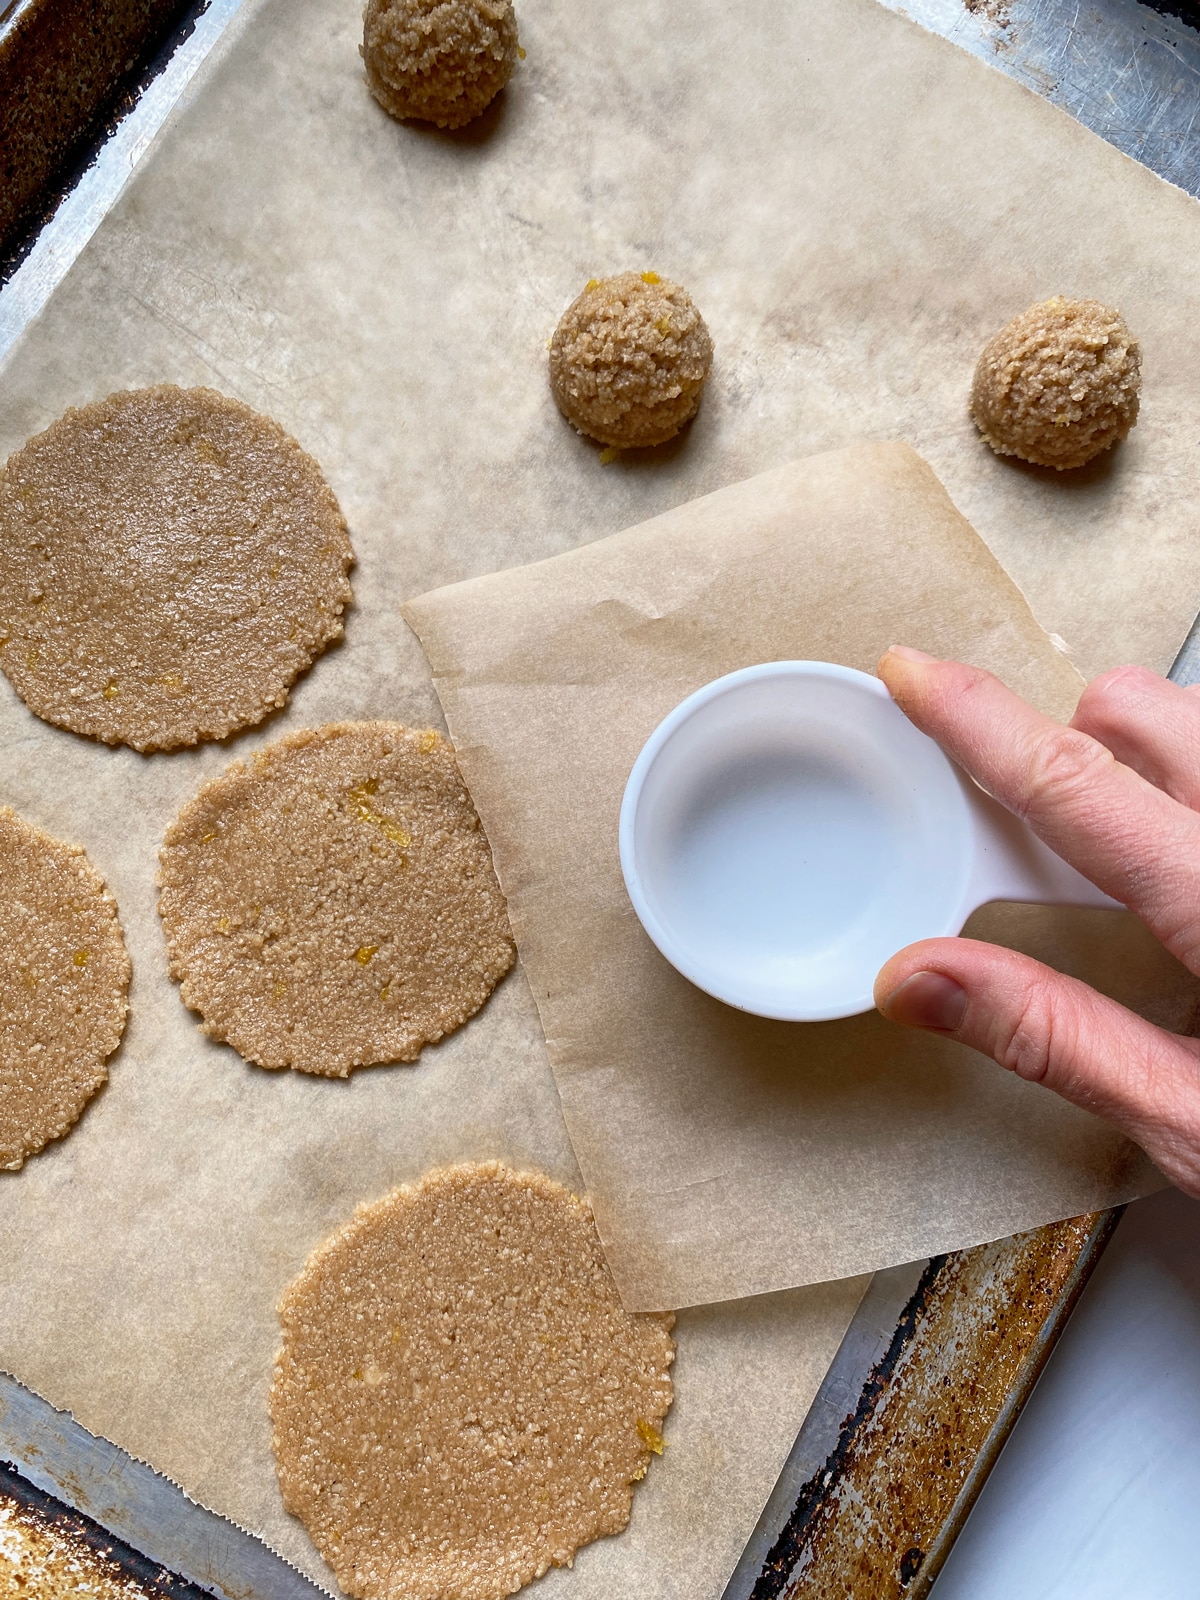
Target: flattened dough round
[[461, 1401], [333, 904], [64, 977], [169, 561]]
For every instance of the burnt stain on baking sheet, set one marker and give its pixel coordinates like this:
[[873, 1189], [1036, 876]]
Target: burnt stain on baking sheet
[[93, 1551], [879, 1517], [813, 1498], [69, 71]]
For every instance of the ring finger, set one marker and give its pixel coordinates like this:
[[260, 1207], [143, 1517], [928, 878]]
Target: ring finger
[[1149, 724]]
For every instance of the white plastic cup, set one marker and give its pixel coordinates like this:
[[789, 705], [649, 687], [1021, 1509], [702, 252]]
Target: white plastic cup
[[786, 829]]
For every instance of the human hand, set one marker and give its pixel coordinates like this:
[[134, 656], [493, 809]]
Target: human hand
[[1117, 794]]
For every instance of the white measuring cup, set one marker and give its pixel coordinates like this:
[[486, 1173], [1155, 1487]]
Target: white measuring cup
[[786, 829]]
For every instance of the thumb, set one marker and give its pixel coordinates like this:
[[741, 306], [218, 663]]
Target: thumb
[[1054, 1030]]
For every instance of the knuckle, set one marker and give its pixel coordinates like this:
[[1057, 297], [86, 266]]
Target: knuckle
[[1034, 1040], [1064, 766], [967, 683], [1113, 697]]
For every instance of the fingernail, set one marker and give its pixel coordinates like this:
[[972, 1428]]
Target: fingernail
[[907, 653], [927, 1000]]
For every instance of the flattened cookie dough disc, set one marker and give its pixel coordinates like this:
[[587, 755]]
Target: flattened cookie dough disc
[[64, 976], [333, 904], [461, 1401], [169, 561]]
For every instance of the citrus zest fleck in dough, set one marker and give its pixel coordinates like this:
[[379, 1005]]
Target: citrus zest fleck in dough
[[332, 903], [64, 976], [1058, 384], [629, 360], [135, 539], [650, 1436], [365, 811], [439, 61], [461, 1401]]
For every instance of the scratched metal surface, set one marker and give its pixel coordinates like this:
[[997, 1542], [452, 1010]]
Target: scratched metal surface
[[61, 1459], [877, 1514], [1124, 71]]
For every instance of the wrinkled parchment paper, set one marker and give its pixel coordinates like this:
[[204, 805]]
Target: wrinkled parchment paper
[[855, 205], [725, 1154]]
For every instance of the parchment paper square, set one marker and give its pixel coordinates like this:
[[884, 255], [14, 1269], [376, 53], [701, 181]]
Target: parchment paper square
[[724, 1154]]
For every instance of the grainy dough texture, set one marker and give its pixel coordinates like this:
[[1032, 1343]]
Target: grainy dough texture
[[1058, 384], [461, 1401], [332, 904], [169, 561], [629, 360], [439, 61], [64, 976]]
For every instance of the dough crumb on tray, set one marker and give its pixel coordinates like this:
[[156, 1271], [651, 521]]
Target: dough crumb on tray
[[170, 560], [629, 360], [439, 61], [332, 903], [1059, 384], [64, 979], [461, 1401]]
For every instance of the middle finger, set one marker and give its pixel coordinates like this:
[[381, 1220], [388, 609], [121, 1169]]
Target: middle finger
[[1127, 836]]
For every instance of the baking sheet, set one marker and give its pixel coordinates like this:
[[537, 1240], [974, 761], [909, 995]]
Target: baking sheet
[[854, 206], [142, 1257], [727, 1155]]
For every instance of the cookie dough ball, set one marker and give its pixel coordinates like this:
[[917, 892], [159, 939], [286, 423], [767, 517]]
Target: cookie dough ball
[[629, 359], [440, 61], [1058, 384]]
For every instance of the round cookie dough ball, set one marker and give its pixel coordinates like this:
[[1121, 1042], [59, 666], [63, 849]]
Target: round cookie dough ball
[[439, 61], [1058, 384], [629, 359]]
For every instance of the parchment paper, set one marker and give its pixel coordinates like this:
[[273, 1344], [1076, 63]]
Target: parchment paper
[[142, 1257], [727, 1155], [855, 205]]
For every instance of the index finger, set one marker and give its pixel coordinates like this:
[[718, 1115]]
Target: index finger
[[1131, 839]]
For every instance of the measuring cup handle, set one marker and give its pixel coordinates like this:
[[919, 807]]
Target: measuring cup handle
[[1012, 863]]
